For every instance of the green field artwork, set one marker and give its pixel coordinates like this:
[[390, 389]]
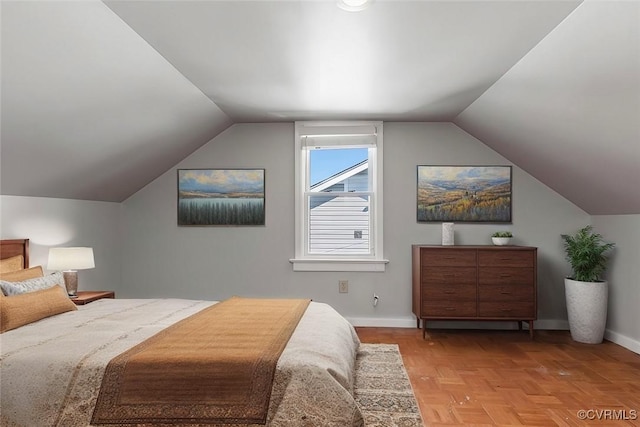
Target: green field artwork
[[464, 194], [231, 197]]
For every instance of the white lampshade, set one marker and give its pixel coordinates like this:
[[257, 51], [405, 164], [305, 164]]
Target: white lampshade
[[70, 259]]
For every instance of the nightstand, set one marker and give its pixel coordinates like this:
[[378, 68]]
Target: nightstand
[[85, 297]]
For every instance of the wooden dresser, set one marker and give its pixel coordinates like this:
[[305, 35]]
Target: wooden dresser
[[475, 283]]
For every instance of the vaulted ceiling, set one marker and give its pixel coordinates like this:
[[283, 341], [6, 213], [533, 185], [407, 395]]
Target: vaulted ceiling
[[98, 98]]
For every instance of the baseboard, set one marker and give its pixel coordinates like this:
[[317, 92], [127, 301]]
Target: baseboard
[[622, 340], [552, 325], [410, 322], [383, 322]]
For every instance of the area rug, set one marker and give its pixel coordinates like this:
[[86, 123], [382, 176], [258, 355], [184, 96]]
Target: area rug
[[382, 388]]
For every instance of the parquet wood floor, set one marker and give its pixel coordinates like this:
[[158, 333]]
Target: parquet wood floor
[[464, 378]]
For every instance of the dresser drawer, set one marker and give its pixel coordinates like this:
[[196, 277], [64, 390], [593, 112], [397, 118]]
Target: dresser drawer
[[449, 275], [505, 258], [449, 309], [446, 292], [513, 276], [496, 293], [511, 309], [448, 257]]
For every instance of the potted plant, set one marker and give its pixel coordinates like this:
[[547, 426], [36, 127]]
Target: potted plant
[[585, 291], [501, 238]]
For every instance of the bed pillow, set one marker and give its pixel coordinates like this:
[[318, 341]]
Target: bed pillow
[[11, 264], [30, 285], [20, 310], [20, 275]]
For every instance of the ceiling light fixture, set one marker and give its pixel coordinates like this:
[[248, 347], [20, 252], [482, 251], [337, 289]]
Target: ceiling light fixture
[[353, 5]]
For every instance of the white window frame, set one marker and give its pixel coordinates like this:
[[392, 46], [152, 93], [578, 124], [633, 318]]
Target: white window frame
[[304, 261]]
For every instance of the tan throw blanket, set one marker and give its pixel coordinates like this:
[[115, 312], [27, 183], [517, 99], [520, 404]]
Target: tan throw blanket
[[216, 366]]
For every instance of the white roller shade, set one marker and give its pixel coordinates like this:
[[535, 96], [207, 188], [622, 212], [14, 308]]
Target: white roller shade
[[344, 141], [314, 137], [310, 130]]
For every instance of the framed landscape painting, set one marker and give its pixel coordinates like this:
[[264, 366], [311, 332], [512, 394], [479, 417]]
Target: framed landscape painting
[[231, 197], [464, 194]]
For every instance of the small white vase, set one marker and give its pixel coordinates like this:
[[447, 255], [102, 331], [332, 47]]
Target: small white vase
[[501, 241], [587, 310], [447, 234]]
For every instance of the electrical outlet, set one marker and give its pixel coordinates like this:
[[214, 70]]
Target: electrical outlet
[[343, 286]]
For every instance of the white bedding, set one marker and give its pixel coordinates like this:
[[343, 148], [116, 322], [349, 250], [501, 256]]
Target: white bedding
[[51, 369]]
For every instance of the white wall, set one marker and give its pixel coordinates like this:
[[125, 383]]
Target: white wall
[[161, 259], [623, 274], [48, 222]]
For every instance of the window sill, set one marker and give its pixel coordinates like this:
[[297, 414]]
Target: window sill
[[377, 265]]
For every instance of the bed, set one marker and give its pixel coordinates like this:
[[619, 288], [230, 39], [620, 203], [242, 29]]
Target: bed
[[53, 368]]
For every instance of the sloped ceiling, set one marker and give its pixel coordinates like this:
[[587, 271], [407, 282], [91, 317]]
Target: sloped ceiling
[[89, 110], [569, 111], [99, 98]]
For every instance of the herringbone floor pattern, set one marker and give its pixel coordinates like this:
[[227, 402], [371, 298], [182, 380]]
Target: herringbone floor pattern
[[502, 378]]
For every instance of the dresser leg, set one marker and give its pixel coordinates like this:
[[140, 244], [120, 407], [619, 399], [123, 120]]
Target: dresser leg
[[418, 322], [531, 329], [519, 325]]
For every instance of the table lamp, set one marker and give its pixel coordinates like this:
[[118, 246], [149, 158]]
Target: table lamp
[[69, 261]]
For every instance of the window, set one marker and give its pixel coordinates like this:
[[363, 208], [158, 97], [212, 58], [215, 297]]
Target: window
[[338, 198]]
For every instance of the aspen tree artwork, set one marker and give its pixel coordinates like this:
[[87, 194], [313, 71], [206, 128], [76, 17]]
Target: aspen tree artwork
[[464, 194]]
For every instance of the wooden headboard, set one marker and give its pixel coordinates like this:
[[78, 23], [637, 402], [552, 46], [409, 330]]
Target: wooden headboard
[[9, 248]]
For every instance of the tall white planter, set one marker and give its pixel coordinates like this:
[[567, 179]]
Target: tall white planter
[[587, 309]]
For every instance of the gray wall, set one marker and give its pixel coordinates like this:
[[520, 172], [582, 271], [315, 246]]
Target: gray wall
[[623, 274], [48, 222], [140, 252], [164, 260]]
